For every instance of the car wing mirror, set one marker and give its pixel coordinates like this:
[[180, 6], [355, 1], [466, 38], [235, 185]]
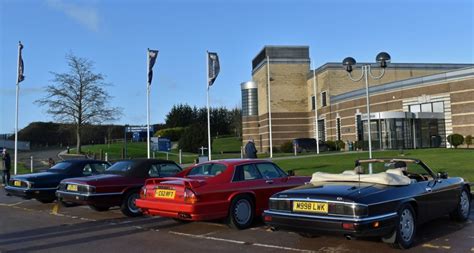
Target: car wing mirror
[[442, 175], [291, 173]]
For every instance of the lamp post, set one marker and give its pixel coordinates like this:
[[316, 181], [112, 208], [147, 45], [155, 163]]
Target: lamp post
[[382, 59]]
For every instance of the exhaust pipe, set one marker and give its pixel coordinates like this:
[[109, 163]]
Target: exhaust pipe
[[348, 237]]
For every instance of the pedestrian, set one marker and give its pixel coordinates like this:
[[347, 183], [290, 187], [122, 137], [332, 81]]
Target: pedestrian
[[51, 162], [250, 150], [7, 166]]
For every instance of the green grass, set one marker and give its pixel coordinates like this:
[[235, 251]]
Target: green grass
[[457, 162], [226, 144]]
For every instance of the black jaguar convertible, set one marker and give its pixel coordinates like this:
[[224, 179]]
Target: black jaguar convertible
[[389, 203]]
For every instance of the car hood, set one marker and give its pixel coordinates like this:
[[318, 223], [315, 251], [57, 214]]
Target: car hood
[[340, 191], [102, 179]]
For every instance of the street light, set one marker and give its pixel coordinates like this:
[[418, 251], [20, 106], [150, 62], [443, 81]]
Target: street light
[[382, 59]]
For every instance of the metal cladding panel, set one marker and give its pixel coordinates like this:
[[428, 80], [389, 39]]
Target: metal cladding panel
[[249, 99], [281, 52]]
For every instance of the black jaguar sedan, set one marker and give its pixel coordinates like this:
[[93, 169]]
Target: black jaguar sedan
[[388, 203], [42, 186]]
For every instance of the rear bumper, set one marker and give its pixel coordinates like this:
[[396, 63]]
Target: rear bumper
[[109, 199], [363, 227], [31, 193], [192, 212]]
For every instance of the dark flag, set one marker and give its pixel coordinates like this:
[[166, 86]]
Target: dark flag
[[21, 69], [152, 54], [214, 68]]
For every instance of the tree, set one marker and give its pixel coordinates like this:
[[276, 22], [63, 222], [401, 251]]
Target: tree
[[194, 137], [468, 140], [78, 97], [180, 116], [455, 140]]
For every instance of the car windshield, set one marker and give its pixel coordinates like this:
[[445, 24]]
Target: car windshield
[[60, 167], [120, 167]]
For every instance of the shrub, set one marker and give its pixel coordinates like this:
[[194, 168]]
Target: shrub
[[194, 137], [468, 140], [358, 145], [455, 140], [174, 134], [331, 145], [287, 147], [340, 145]]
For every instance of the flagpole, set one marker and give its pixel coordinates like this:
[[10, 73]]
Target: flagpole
[[147, 107], [269, 107], [16, 110], [208, 111], [315, 88]]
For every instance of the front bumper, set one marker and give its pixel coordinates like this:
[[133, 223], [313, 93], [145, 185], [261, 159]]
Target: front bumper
[[31, 193], [361, 227], [90, 198]]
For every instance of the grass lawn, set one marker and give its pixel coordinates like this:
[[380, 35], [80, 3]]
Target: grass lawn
[[226, 144], [457, 162]]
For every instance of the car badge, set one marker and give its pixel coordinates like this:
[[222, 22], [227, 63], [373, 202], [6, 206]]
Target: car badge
[[339, 198]]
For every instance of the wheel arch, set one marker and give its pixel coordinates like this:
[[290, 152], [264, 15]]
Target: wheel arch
[[414, 204]]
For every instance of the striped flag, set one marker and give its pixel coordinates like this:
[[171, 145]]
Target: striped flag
[[214, 68]]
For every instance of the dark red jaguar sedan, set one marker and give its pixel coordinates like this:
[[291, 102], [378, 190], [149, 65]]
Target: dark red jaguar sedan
[[118, 186]]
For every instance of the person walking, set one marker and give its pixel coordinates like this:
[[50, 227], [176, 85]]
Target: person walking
[[250, 150], [51, 162], [6, 166]]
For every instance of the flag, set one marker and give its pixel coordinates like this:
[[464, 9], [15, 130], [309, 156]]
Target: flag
[[214, 68], [21, 69], [152, 54]]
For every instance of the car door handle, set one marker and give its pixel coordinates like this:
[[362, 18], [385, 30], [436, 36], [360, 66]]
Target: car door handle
[[269, 181], [428, 189]]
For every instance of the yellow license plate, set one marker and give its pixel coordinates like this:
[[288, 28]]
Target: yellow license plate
[[17, 183], [310, 207], [165, 194], [72, 187]]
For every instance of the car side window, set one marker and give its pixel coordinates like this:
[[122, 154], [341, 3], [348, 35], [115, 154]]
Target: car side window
[[168, 169], [87, 170], [154, 170], [268, 171], [99, 168], [250, 172]]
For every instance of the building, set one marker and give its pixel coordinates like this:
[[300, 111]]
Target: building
[[412, 106]]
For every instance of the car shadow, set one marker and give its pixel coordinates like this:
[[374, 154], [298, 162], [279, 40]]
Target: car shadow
[[88, 231]]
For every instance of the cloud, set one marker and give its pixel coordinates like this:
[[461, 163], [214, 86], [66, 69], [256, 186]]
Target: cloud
[[85, 15]]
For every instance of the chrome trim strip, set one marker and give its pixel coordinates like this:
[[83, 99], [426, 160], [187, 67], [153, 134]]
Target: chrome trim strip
[[30, 189], [378, 217], [88, 194], [321, 200]]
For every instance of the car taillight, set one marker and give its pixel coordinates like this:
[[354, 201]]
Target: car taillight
[[143, 192], [189, 196]]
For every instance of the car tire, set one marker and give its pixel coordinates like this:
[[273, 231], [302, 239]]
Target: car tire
[[99, 208], [241, 212], [128, 204], [461, 213], [406, 228]]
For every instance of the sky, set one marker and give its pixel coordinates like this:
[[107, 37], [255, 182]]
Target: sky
[[115, 35]]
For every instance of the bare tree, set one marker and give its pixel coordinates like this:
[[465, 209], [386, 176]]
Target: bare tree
[[79, 97]]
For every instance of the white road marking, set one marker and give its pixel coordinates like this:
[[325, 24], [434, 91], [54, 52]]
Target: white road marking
[[239, 242]]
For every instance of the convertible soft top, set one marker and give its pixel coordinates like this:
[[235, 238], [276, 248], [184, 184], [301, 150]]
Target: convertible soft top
[[377, 178]]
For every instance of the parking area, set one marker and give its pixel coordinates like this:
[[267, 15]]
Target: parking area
[[29, 226]]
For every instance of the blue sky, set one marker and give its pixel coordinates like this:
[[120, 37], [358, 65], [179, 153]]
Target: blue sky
[[116, 34]]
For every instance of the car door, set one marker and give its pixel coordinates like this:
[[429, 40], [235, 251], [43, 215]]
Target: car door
[[248, 178], [275, 179]]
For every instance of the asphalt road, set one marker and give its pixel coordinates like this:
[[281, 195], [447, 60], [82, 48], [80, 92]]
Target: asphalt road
[[29, 226]]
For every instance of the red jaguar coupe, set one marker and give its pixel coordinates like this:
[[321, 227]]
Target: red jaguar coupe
[[237, 190]]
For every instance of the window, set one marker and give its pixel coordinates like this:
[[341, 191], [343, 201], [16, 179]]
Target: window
[[268, 170], [169, 169], [313, 102], [246, 172], [87, 170], [323, 99], [426, 107], [120, 167], [99, 167], [321, 130], [210, 169], [338, 127], [360, 132], [415, 108], [438, 107]]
